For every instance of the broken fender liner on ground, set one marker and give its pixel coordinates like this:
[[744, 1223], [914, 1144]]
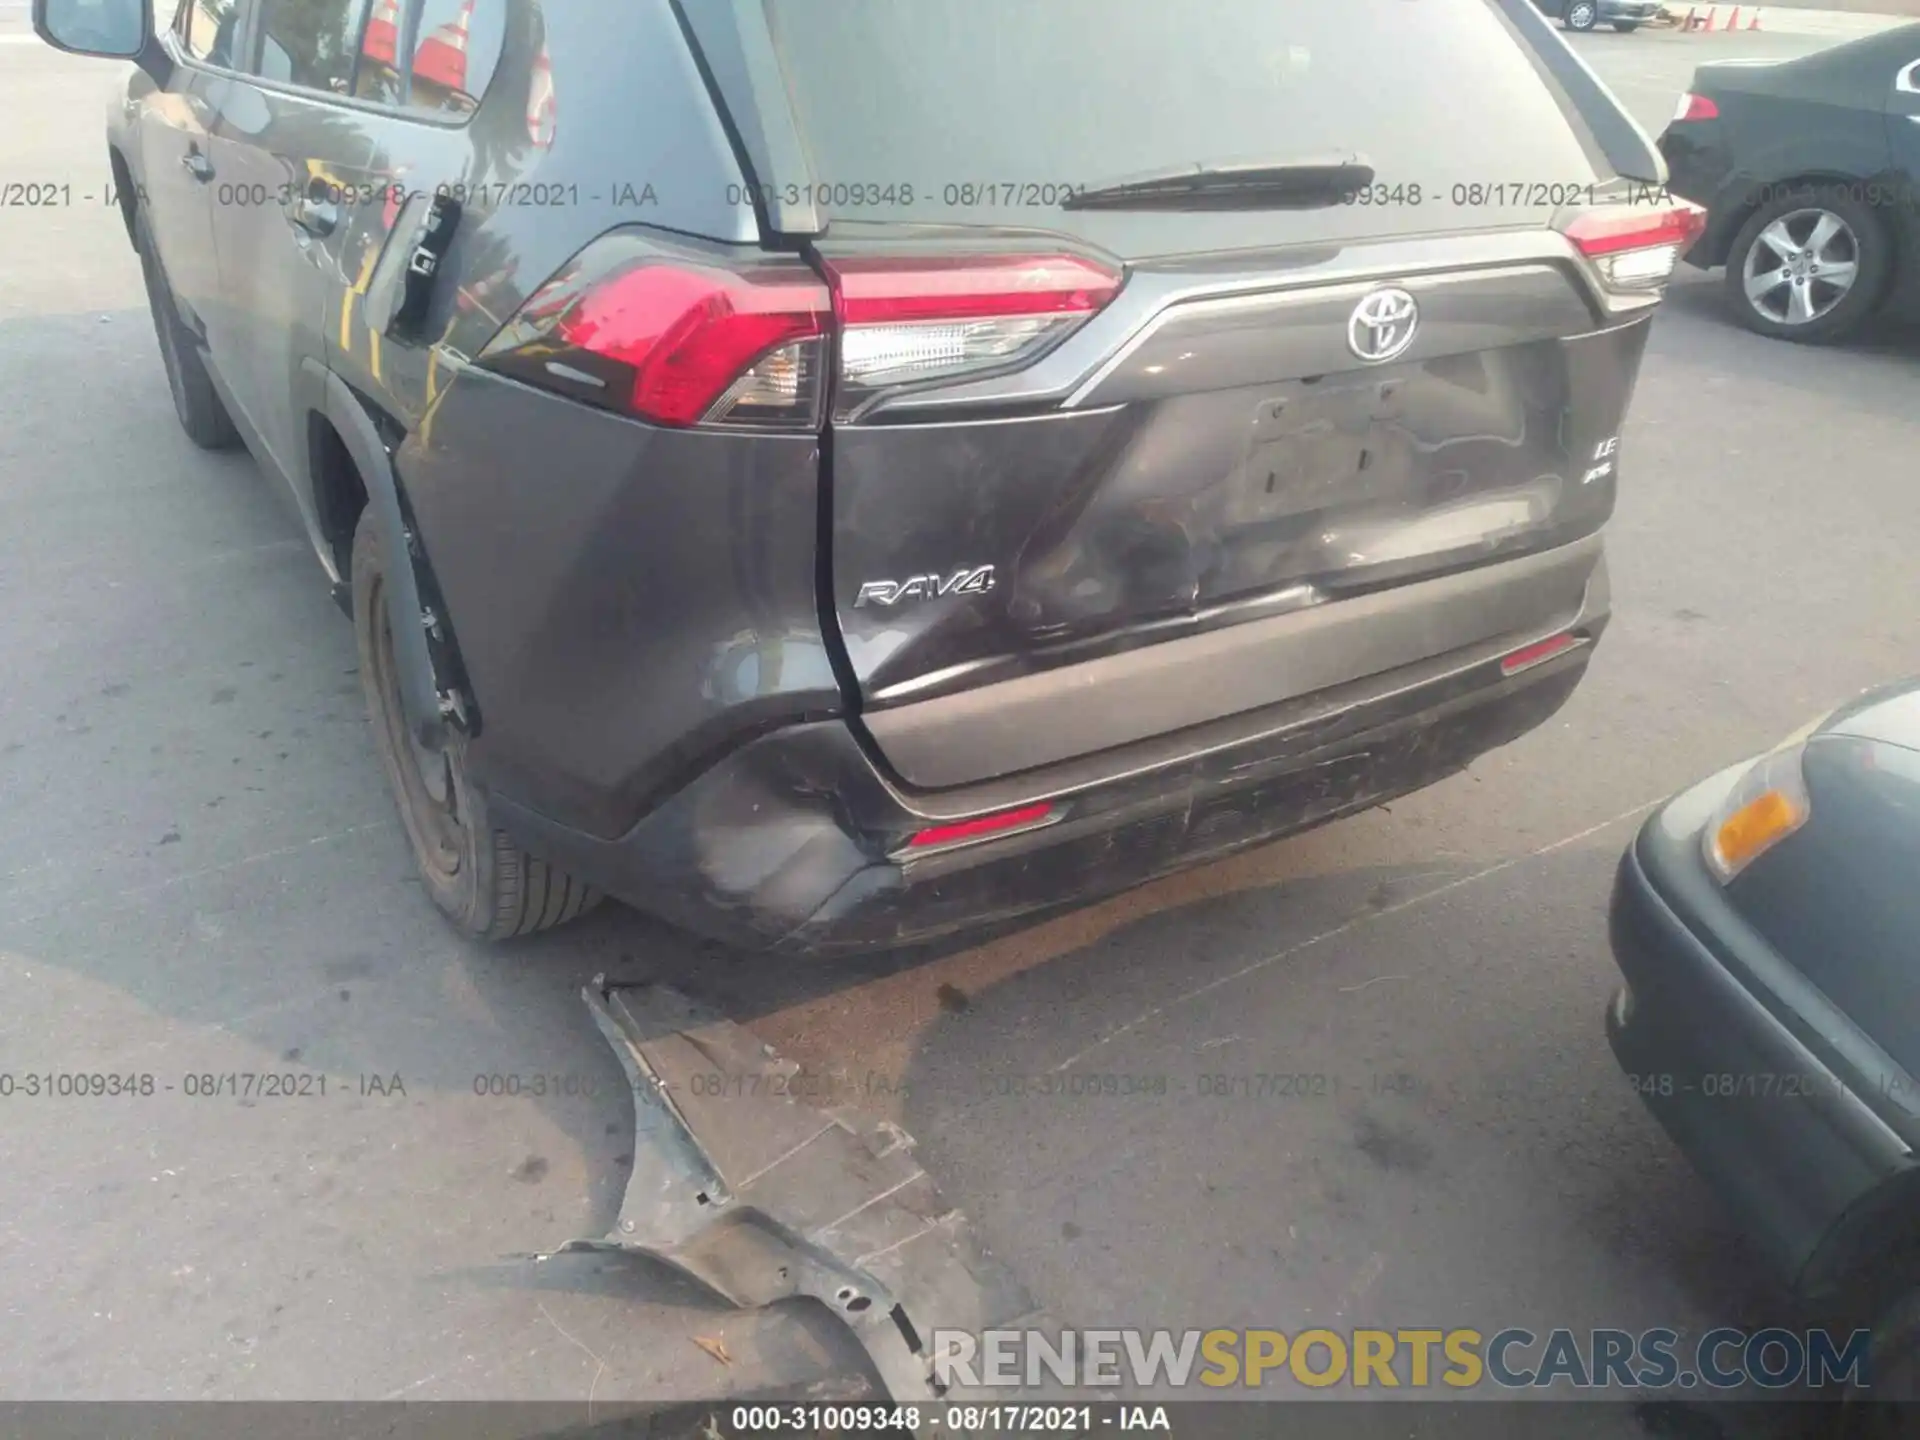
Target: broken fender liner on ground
[[740, 1183]]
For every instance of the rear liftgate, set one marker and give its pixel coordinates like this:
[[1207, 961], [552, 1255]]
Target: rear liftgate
[[762, 1197]]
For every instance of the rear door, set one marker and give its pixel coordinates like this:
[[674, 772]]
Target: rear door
[[430, 143], [1272, 406], [290, 142]]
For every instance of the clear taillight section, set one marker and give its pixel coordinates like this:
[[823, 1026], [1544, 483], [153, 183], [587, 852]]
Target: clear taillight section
[[677, 344], [908, 321], [1638, 249]]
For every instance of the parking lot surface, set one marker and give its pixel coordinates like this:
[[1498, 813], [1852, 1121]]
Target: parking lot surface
[[201, 877]]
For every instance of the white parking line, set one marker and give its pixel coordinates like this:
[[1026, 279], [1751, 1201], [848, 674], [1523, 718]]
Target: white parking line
[[1353, 924], [187, 877]]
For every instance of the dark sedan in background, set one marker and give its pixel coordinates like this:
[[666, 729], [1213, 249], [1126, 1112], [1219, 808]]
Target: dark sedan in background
[[1768, 924], [1623, 15], [1810, 172]]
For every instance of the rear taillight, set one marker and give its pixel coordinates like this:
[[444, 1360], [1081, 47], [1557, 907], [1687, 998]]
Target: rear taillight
[[688, 341], [1635, 248], [677, 343], [907, 321], [1695, 107]]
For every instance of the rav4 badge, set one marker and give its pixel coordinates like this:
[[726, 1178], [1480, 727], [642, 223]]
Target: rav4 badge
[[976, 580]]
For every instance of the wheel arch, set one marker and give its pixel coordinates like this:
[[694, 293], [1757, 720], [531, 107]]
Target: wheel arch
[[351, 443], [339, 489], [1871, 1250]]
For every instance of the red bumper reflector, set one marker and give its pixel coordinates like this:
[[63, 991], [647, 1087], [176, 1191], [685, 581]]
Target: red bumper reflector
[[980, 825], [1538, 653]]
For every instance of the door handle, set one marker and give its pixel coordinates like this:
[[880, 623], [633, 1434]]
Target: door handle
[[197, 165], [316, 217]]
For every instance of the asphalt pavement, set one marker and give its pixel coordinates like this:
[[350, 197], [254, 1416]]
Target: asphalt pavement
[[200, 876]]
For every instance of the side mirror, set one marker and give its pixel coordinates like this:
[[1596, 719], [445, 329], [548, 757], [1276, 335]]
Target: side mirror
[[109, 29]]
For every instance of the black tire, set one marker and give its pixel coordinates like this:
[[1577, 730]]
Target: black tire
[[1885, 1410], [1626, 27], [1581, 15], [486, 885], [1865, 242], [202, 414]]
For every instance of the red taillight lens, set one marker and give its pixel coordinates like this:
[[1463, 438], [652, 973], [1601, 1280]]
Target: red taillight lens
[[677, 344], [981, 826], [1695, 107], [911, 320], [1638, 248]]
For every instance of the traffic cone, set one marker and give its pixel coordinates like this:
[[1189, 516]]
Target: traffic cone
[[1754, 23], [1733, 20], [442, 56], [382, 40]]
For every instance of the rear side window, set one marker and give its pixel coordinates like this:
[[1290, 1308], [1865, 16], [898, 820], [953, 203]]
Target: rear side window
[[310, 43], [208, 28], [987, 111], [458, 46]]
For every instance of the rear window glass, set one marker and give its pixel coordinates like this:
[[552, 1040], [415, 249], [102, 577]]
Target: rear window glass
[[986, 111]]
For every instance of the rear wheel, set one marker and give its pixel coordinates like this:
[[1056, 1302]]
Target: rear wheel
[[1883, 1410], [486, 885], [202, 414], [1582, 15], [1808, 266]]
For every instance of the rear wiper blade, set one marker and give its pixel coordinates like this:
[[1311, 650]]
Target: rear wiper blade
[[1298, 185]]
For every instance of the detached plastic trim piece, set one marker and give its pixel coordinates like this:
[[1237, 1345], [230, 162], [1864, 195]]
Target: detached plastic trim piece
[[762, 1197]]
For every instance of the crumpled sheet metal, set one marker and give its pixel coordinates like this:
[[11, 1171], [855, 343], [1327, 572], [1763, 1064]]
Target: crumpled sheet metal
[[740, 1183]]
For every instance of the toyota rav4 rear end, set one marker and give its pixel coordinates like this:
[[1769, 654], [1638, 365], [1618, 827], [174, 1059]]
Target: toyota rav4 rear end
[[1133, 432]]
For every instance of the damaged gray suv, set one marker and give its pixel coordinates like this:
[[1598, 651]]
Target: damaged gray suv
[[839, 472]]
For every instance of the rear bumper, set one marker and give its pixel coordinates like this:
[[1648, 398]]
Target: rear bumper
[[1700, 169], [797, 841], [1167, 688], [1787, 1141], [1641, 10]]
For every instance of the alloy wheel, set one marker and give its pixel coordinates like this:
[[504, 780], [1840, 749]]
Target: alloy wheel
[[1801, 266]]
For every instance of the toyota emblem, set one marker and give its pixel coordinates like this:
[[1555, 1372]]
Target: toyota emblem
[[1382, 325]]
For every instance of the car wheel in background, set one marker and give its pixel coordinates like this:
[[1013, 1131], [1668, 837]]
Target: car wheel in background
[[485, 884], [1809, 266], [1582, 15], [1885, 1408], [195, 401]]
